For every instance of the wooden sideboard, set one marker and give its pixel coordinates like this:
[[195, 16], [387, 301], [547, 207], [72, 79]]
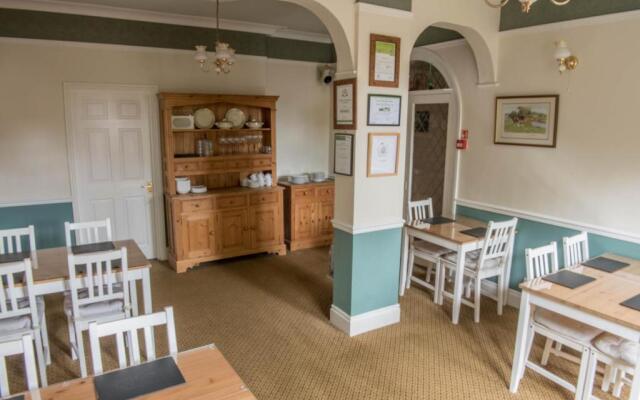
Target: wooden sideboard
[[308, 210], [228, 220]]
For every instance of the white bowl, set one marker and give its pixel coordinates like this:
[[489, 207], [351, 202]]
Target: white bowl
[[224, 125], [255, 124], [199, 189]]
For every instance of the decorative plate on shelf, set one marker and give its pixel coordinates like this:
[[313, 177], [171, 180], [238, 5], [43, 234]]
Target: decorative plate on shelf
[[237, 117], [204, 118]]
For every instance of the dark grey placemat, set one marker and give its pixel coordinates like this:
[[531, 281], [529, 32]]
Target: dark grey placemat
[[92, 248], [476, 232], [136, 381], [14, 257], [568, 279], [605, 264], [17, 397], [437, 220], [633, 302]]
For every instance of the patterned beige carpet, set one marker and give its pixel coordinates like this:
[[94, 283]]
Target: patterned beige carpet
[[269, 316]]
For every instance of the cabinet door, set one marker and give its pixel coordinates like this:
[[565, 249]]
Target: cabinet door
[[264, 222], [232, 230], [197, 235], [304, 221], [325, 216]]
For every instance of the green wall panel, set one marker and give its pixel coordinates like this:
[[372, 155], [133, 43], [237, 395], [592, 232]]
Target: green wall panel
[[534, 234], [544, 12], [433, 34], [398, 4], [80, 28], [367, 270], [48, 220]]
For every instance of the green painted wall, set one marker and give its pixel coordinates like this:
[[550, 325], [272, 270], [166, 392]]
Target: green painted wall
[[534, 234], [544, 12], [80, 28], [433, 34], [398, 4], [48, 220], [367, 270]]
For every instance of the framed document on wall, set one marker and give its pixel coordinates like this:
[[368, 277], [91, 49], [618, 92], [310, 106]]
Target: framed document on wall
[[384, 110], [384, 61], [383, 154], [343, 154], [344, 104]]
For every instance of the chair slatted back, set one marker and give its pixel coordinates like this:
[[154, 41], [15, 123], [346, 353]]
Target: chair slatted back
[[130, 327], [79, 233], [576, 249], [95, 272], [498, 241], [11, 240], [421, 209], [541, 261], [12, 303], [23, 346]]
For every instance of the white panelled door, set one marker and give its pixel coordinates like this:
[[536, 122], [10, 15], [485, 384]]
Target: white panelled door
[[110, 133]]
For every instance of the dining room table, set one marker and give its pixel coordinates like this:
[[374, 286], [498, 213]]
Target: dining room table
[[207, 375], [451, 236], [597, 303]]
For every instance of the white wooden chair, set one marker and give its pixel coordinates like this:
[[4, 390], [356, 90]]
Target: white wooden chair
[[21, 315], [130, 327], [96, 295], [575, 249], [79, 233], [11, 241], [422, 250], [24, 346], [619, 355], [490, 261], [556, 328]]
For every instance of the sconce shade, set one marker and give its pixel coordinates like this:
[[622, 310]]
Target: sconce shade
[[562, 50]]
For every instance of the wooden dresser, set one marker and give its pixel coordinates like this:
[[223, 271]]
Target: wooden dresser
[[228, 220], [308, 210]]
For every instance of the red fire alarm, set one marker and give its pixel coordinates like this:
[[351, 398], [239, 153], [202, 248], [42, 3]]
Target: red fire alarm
[[461, 144], [465, 134]]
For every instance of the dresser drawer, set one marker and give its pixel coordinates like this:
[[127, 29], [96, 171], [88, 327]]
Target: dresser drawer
[[325, 192], [261, 163], [306, 194], [231, 201], [212, 165], [263, 198], [186, 167], [237, 164], [197, 205]]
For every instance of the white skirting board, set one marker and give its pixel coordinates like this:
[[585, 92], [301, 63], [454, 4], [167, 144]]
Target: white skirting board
[[362, 323], [489, 289]]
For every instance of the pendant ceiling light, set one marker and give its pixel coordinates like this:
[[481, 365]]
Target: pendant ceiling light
[[526, 4], [224, 56]]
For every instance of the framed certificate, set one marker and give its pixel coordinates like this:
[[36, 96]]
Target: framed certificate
[[343, 154], [384, 110], [384, 61], [383, 154], [344, 104]]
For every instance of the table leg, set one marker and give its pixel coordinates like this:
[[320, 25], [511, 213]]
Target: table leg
[[458, 286], [519, 353], [404, 261], [507, 277], [133, 295], [146, 295], [635, 386]]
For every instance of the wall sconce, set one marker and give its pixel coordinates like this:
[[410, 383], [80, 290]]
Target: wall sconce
[[566, 61]]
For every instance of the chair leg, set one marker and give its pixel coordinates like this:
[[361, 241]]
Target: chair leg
[[617, 388], [547, 352], [476, 309], [429, 273], [607, 378], [410, 265], [42, 363], [72, 339], [530, 336], [80, 349], [44, 332], [501, 293], [436, 284], [558, 347]]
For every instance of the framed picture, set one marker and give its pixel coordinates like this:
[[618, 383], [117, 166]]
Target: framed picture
[[384, 110], [527, 120], [383, 154], [343, 154], [344, 104], [384, 61]]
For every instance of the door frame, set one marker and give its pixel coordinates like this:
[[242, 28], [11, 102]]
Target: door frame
[[157, 205], [454, 126]]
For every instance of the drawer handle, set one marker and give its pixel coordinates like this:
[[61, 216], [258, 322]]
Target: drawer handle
[[196, 205]]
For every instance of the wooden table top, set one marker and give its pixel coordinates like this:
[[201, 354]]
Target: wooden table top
[[452, 231], [52, 263], [207, 373], [601, 297]]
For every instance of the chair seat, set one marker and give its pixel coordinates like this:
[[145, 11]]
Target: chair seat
[[17, 326], [471, 260], [567, 327], [93, 310], [617, 348], [430, 249]]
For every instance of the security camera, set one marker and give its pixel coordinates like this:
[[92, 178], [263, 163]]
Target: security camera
[[326, 74]]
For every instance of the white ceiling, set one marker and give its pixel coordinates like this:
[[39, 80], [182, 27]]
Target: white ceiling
[[270, 12]]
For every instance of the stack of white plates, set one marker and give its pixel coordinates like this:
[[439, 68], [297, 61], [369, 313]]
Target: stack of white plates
[[299, 179], [199, 189]]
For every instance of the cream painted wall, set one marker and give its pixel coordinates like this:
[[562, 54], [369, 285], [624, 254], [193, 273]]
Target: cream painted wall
[[33, 156], [592, 177]]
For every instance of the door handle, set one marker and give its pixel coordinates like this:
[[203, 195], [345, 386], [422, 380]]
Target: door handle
[[148, 186]]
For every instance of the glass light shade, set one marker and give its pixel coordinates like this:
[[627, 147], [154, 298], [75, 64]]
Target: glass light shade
[[201, 54], [562, 50], [526, 5], [225, 57]]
